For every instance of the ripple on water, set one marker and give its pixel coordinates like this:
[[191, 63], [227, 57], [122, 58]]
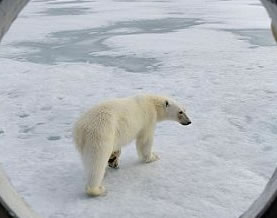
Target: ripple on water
[[53, 138], [65, 11], [83, 45], [256, 37]]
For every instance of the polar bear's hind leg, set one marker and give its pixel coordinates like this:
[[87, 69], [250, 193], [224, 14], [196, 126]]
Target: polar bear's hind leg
[[95, 165]]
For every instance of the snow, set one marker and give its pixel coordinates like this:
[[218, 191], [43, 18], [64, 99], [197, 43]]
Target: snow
[[216, 57]]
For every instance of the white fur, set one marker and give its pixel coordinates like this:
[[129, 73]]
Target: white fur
[[109, 126]]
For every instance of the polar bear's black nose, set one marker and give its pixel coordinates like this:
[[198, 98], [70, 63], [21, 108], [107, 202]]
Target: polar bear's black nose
[[186, 123]]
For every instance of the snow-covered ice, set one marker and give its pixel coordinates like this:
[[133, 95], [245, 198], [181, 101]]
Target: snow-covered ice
[[217, 57]]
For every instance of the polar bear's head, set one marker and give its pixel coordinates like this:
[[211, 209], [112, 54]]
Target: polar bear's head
[[175, 112], [167, 109]]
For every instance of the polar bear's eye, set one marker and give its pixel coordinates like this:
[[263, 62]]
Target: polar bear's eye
[[180, 112], [166, 103]]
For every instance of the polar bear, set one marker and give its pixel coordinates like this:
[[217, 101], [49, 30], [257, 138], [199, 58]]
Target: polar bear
[[100, 133]]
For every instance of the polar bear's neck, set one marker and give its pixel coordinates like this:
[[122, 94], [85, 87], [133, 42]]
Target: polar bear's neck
[[159, 105], [161, 114]]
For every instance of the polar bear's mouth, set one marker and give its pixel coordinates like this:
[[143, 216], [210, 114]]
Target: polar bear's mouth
[[186, 123]]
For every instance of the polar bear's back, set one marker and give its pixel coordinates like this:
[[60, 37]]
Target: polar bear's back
[[120, 119]]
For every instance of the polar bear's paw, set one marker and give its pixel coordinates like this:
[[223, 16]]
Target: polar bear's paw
[[153, 157], [113, 163], [95, 191], [114, 160]]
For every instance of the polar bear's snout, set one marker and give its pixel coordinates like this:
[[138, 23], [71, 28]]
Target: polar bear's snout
[[183, 118]]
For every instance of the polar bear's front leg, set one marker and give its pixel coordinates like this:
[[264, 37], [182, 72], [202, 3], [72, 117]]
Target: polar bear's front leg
[[114, 159], [144, 149]]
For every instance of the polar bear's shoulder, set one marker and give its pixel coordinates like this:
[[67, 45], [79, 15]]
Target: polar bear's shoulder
[[151, 98]]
